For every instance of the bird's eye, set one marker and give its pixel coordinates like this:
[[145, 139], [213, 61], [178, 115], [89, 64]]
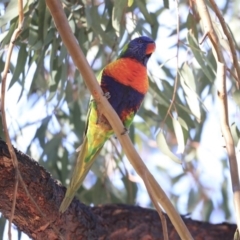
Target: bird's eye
[[140, 41]]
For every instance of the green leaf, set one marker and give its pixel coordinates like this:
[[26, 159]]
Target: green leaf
[[236, 97], [236, 235], [63, 171], [193, 199], [179, 135], [10, 13], [8, 36], [119, 9], [143, 9], [166, 3], [192, 26], [94, 21], [2, 226], [3, 35], [207, 210], [44, 16], [131, 188], [189, 88], [63, 54], [161, 97], [41, 131], [200, 57], [162, 144], [130, 3], [176, 179], [51, 148], [235, 133], [183, 123], [75, 119], [225, 202], [132, 133], [49, 37], [185, 114], [20, 66]]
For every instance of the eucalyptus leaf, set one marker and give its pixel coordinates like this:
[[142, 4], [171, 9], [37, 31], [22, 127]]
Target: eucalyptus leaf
[[20, 66], [179, 135], [236, 97], [188, 84], [118, 13], [163, 146], [166, 3], [199, 55]]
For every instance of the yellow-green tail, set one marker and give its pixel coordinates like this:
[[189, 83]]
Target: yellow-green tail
[[80, 171]]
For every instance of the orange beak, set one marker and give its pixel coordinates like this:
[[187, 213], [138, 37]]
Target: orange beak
[[150, 48]]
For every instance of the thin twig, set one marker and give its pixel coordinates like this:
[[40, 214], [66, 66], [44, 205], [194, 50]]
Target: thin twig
[[177, 76], [223, 103], [229, 37], [81, 63]]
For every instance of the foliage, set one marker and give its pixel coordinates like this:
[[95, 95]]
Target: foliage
[[53, 99]]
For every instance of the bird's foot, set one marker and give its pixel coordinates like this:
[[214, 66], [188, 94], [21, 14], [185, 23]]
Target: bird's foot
[[125, 131], [107, 95]]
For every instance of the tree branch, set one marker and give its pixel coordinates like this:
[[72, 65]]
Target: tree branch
[[116, 221]]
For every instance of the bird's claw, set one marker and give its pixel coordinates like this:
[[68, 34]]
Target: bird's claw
[[125, 131], [107, 95]]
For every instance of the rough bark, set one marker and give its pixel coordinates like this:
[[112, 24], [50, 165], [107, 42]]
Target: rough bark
[[80, 221]]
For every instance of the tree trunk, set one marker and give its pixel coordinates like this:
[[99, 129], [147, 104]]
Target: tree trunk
[[116, 221]]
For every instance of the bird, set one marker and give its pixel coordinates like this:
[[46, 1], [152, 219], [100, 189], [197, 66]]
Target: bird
[[124, 82]]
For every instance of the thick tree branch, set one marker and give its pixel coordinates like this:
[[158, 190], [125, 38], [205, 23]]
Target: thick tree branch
[[118, 221]]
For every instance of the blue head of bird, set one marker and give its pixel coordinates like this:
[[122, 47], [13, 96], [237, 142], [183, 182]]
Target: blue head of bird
[[140, 49]]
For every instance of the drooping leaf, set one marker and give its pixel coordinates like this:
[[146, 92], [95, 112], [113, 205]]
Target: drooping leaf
[[179, 135], [199, 55], [11, 12], [163, 146], [20, 66], [193, 199], [2, 226], [51, 149], [188, 84], [235, 133], [119, 9], [41, 131], [166, 3], [143, 8], [130, 3], [236, 97], [208, 208]]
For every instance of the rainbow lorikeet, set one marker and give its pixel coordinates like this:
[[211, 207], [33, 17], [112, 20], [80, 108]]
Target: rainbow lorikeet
[[124, 82]]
